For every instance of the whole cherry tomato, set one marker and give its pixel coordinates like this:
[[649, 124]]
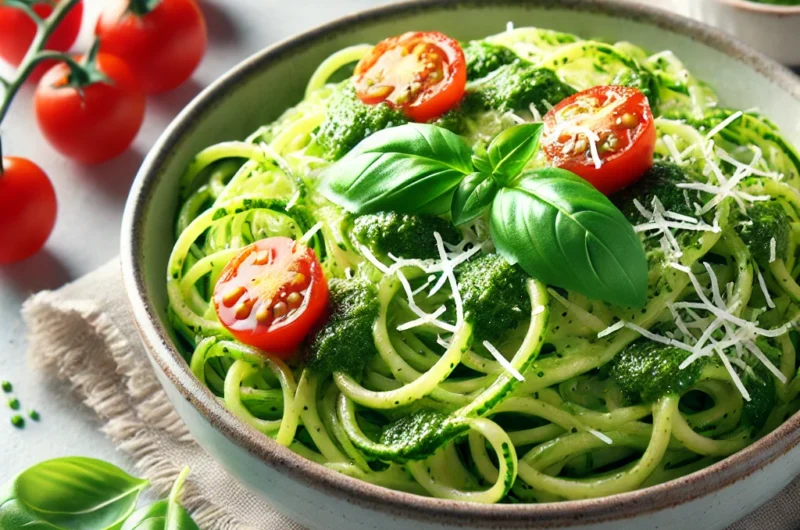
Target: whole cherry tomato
[[605, 134], [162, 41], [422, 73], [93, 123], [17, 31], [271, 295], [27, 209]]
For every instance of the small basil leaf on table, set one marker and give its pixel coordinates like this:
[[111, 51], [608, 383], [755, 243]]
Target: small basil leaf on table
[[408, 169], [511, 150], [564, 232], [472, 197], [164, 515], [70, 493]]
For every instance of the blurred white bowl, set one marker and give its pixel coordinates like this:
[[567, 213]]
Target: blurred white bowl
[[772, 29]]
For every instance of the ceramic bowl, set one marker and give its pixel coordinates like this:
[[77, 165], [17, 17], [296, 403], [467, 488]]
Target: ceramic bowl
[[772, 29], [256, 92]]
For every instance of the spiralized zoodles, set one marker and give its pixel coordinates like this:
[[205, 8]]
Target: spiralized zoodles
[[435, 412]]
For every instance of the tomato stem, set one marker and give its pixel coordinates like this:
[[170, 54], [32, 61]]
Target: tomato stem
[[35, 53], [141, 8]]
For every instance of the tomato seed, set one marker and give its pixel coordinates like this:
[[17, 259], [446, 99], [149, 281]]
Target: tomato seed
[[279, 309], [628, 120], [262, 315], [232, 296], [243, 309], [379, 91], [294, 300]]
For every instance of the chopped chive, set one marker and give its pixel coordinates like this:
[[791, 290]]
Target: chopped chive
[[18, 421], [13, 403], [34, 415], [7, 386]]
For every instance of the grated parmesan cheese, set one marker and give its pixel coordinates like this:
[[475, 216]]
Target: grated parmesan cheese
[[503, 361]]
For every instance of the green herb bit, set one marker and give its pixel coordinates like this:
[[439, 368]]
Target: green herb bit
[[13, 404], [18, 421], [7, 386], [34, 415]]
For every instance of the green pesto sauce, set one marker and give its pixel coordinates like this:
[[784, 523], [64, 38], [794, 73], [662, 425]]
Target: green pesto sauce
[[403, 235], [651, 370], [345, 343], [419, 435]]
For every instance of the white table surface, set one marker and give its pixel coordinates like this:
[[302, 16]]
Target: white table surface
[[91, 201]]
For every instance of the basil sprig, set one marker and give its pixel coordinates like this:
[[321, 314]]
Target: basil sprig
[[76, 492], [408, 169], [556, 225]]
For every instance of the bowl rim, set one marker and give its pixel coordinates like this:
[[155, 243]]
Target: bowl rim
[[758, 7], [391, 502]]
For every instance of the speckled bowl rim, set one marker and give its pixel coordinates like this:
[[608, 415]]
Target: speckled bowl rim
[[761, 9], [395, 503]]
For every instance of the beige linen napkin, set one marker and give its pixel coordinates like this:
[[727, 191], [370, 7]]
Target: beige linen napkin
[[84, 334]]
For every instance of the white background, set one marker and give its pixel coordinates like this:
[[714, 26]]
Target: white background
[[91, 200]]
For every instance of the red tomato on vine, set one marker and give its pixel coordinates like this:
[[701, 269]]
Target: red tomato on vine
[[93, 119], [17, 31], [162, 41], [27, 209]]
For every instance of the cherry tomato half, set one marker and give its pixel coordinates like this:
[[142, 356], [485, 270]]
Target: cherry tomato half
[[17, 32], [271, 295], [422, 73], [27, 209], [163, 47], [621, 124], [94, 123]]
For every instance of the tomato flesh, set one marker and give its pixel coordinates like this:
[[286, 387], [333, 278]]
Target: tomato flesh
[[271, 295], [422, 73], [27, 209], [614, 121]]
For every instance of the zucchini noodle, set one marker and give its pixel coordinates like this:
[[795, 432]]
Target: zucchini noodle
[[571, 428]]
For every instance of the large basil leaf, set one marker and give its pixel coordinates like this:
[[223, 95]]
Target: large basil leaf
[[408, 169], [564, 232], [164, 515], [71, 494], [511, 150], [472, 197]]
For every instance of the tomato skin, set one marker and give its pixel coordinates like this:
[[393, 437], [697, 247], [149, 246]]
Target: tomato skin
[[262, 276], [97, 126], [626, 163], [27, 209], [424, 85], [162, 48], [17, 32]]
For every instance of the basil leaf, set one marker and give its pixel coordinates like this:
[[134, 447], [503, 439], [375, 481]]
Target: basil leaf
[[164, 515], [70, 493], [408, 169], [472, 197], [481, 163], [564, 232], [511, 150]]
